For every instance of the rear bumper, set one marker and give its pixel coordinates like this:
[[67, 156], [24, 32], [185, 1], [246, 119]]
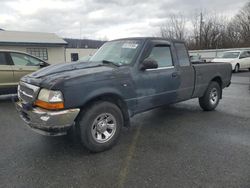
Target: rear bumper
[[49, 123]]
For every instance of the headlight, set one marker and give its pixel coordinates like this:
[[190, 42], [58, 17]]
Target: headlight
[[48, 99], [50, 96]]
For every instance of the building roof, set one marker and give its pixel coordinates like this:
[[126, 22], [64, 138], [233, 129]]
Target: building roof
[[83, 43], [21, 37]]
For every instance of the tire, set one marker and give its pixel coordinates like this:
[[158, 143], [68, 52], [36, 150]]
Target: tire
[[237, 68], [248, 69], [100, 126], [211, 98]]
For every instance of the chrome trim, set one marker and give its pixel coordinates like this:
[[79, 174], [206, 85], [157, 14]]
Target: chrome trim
[[32, 95], [161, 68], [34, 88], [46, 122], [24, 93]]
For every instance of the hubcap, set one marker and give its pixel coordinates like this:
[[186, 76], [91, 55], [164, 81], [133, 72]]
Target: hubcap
[[214, 96], [103, 127]]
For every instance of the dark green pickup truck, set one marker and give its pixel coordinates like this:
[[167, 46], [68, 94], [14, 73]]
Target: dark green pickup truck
[[123, 78], [13, 66]]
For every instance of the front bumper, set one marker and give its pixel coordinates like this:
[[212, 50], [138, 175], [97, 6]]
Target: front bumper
[[49, 123]]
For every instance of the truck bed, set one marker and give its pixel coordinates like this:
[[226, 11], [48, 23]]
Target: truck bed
[[205, 72]]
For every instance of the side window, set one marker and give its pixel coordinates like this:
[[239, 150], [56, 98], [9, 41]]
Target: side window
[[248, 54], [34, 61], [182, 54], [23, 60], [243, 55], [2, 59], [162, 55]]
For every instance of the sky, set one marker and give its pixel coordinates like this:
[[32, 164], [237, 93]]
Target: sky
[[104, 19]]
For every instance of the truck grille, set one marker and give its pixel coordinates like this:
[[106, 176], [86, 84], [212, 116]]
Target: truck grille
[[27, 92]]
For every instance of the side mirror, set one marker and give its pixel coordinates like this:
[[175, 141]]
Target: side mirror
[[43, 64], [149, 64]]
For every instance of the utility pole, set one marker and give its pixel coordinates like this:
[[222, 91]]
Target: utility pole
[[201, 25]]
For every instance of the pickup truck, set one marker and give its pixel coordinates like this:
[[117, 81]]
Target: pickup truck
[[123, 78]]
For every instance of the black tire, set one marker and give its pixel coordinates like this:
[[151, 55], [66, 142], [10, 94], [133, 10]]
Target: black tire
[[89, 134], [209, 102], [248, 69], [237, 68]]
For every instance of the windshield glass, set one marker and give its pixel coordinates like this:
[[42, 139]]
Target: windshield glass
[[231, 55], [120, 52]]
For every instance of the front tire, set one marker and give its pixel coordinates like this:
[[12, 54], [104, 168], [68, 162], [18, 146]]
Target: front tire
[[237, 68], [100, 126], [211, 98]]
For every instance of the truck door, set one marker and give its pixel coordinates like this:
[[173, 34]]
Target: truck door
[[156, 87], [23, 64], [186, 72], [6, 72]]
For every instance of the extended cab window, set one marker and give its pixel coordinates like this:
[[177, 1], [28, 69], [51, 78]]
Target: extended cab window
[[2, 59], [182, 54], [162, 55], [24, 60]]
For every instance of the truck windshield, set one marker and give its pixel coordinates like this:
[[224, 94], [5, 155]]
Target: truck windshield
[[120, 52], [231, 55]]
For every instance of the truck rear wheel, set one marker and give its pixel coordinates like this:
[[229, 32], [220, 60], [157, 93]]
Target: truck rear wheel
[[100, 126], [211, 98]]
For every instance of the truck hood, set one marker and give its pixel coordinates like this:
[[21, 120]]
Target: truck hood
[[57, 74], [224, 60], [62, 68]]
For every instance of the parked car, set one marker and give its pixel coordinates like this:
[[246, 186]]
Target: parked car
[[123, 78], [196, 59], [13, 66], [238, 59]]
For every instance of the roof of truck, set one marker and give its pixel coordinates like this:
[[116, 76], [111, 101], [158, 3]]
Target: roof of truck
[[151, 38]]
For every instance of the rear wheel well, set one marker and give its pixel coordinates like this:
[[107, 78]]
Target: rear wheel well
[[219, 81], [113, 98]]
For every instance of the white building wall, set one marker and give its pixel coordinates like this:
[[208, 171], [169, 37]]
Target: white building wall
[[82, 52], [55, 54]]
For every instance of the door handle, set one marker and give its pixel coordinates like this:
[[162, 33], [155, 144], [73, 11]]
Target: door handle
[[175, 74]]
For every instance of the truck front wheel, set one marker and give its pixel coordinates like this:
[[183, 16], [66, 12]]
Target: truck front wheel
[[211, 98], [100, 126]]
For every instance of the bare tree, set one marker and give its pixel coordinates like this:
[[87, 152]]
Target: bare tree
[[210, 31], [175, 27], [242, 23]]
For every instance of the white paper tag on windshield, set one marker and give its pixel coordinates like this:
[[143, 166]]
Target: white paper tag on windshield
[[130, 45]]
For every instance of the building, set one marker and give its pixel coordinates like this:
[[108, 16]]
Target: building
[[81, 48], [46, 46]]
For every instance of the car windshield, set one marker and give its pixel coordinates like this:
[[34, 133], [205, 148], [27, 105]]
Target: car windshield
[[120, 52], [231, 55]]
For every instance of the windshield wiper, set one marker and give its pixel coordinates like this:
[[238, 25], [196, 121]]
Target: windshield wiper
[[109, 62]]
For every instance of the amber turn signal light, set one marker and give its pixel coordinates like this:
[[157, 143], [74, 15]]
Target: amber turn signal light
[[49, 106]]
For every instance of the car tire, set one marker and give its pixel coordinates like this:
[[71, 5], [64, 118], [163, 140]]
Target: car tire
[[100, 126], [237, 68], [211, 98], [248, 69]]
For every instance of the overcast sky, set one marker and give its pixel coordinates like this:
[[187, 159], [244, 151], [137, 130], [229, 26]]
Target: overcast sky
[[96, 19]]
